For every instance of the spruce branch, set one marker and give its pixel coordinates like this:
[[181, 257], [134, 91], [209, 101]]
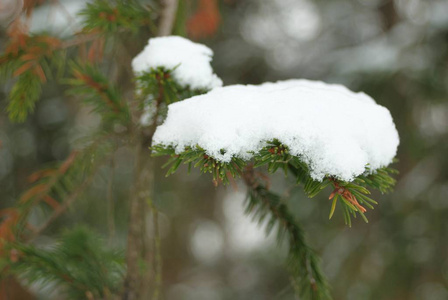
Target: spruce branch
[[198, 158], [80, 39], [66, 263], [353, 196], [303, 262], [96, 90], [23, 96], [156, 89], [67, 202], [60, 186], [26, 58], [150, 83], [117, 16]]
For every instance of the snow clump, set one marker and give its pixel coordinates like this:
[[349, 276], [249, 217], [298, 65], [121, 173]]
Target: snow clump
[[335, 131], [190, 61]]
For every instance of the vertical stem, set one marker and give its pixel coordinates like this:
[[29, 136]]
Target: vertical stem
[[137, 281], [132, 282], [111, 203], [157, 251], [167, 17], [147, 255]]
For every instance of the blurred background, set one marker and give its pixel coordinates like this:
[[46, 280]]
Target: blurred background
[[394, 50]]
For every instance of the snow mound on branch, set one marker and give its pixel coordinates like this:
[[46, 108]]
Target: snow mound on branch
[[190, 60], [335, 131]]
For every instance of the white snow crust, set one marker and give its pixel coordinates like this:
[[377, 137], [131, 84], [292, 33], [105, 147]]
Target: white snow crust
[[335, 131], [190, 60]]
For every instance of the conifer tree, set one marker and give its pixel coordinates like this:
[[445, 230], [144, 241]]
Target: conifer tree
[[131, 108]]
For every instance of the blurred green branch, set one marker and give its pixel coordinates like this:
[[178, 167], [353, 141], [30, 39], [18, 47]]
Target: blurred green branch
[[303, 262]]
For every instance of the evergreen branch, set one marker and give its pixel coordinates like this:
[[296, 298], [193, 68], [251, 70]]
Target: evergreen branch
[[80, 39], [59, 187], [156, 89], [23, 96], [9, 227], [25, 58], [303, 262], [148, 84], [198, 158], [110, 17], [66, 263], [67, 202], [96, 90], [353, 196]]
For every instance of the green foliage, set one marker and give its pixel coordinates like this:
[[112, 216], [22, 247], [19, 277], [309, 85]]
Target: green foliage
[[78, 262], [303, 262], [198, 158], [379, 179], [94, 88], [156, 89], [160, 83], [28, 59], [113, 16], [353, 195], [57, 186], [23, 96]]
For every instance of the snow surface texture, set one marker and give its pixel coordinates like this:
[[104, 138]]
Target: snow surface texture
[[335, 131], [190, 60]]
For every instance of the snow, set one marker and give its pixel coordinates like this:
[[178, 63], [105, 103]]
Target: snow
[[190, 61], [335, 131]]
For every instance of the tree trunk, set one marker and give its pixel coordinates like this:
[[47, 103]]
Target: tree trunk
[[138, 264], [139, 277]]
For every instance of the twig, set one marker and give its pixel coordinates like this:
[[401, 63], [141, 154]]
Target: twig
[[64, 206], [81, 39], [133, 286], [159, 100], [157, 251], [299, 250], [133, 280], [111, 203], [167, 17]]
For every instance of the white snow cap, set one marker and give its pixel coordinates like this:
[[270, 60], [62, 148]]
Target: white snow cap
[[335, 131], [191, 60]]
